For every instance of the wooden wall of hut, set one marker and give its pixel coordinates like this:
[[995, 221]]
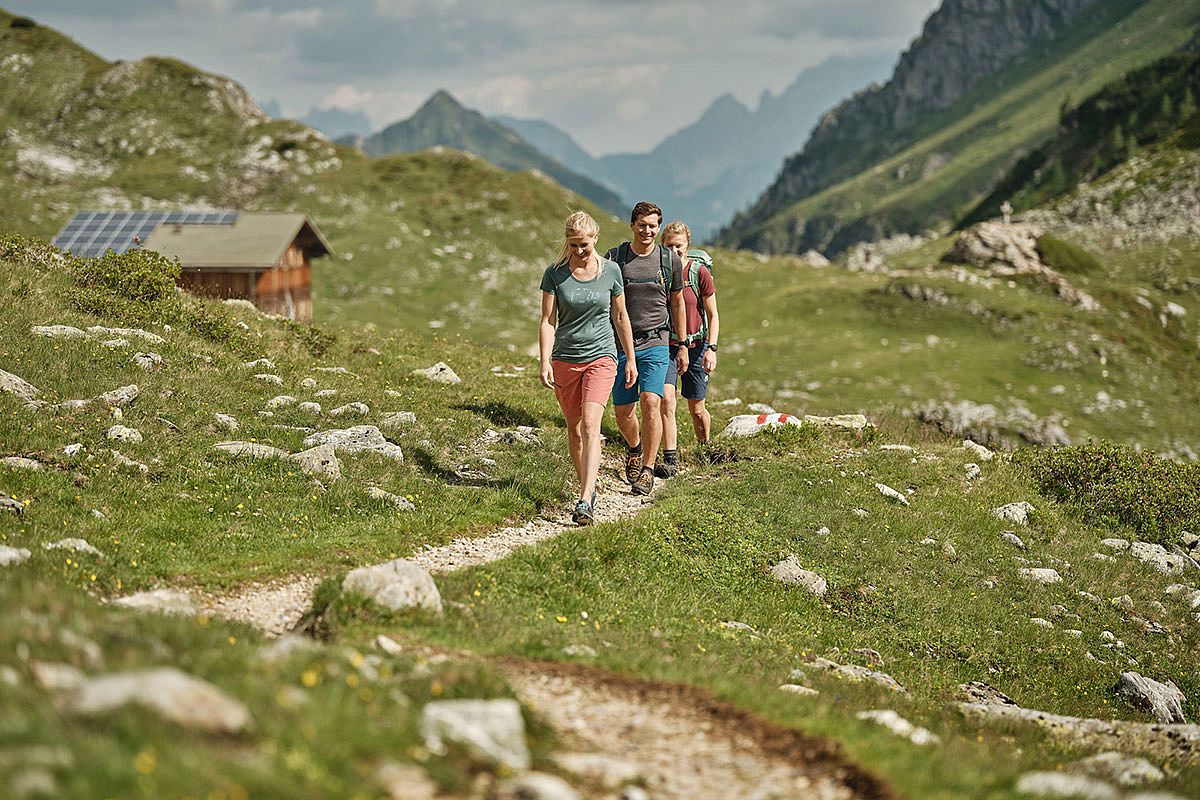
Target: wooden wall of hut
[[218, 284], [286, 288]]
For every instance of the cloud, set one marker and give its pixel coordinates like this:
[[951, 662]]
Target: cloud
[[347, 97]]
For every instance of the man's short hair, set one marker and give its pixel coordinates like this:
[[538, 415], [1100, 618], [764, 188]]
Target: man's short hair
[[644, 209]]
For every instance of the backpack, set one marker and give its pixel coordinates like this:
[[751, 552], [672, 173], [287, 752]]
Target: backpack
[[698, 257], [622, 254]]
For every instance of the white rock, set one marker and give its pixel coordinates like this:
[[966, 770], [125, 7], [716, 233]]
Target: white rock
[[358, 439], [899, 726], [1013, 539], [175, 696], [978, 450], [850, 422], [854, 672], [1115, 544], [57, 332], [1060, 784], [325, 393], [309, 383], [744, 425], [148, 361], [115, 344], [402, 503], [397, 585], [798, 689], [1175, 310], [259, 363], [760, 408], [357, 409], [1041, 623], [1015, 512], [973, 471], [1119, 768], [10, 556], [396, 419], [1164, 701], [120, 433], [406, 782], [281, 401], [336, 371], [11, 505], [1157, 556], [439, 373], [56, 677], [490, 729], [898, 448], [20, 462], [160, 601], [888, 491], [250, 450], [791, 573], [75, 449], [268, 378], [861, 512], [539, 786], [226, 422], [76, 545], [121, 396], [13, 384], [125, 461], [312, 409], [579, 651], [1042, 575], [388, 645], [320, 462], [152, 338]]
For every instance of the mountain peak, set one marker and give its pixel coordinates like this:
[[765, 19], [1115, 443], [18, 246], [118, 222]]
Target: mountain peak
[[442, 99]]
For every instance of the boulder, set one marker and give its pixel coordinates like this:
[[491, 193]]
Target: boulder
[[1118, 768], [11, 505], [174, 695], [57, 332], [1115, 544], [849, 422], [397, 585], [355, 409], [854, 672], [148, 361], [358, 439], [438, 373], [899, 726], [281, 401], [1164, 701], [313, 409], [790, 572], [13, 384], [74, 449], [973, 471], [74, 545], [1017, 513], [1059, 784], [798, 689], [268, 378], [120, 433], [320, 462], [125, 461], [889, 492], [1012, 538], [324, 393], [20, 462], [401, 503], [1042, 575], [11, 556], [259, 363], [159, 601], [226, 422], [120, 397], [978, 450], [396, 419], [100, 331], [491, 730], [250, 450], [744, 425], [1156, 556]]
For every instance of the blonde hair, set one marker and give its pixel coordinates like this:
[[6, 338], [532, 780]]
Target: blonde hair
[[675, 227], [578, 224]]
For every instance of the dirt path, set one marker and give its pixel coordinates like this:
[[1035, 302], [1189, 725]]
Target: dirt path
[[680, 742], [274, 607]]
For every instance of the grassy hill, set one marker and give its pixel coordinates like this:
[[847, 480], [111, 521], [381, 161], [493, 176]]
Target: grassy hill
[[947, 160]]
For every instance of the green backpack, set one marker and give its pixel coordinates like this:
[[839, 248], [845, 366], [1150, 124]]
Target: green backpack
[[698, 257]]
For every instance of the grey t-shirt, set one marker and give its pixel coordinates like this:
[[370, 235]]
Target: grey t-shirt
[[646, 299], [583, 330]]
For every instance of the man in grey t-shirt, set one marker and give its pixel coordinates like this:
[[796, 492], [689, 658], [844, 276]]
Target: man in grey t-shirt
[[653, 277]]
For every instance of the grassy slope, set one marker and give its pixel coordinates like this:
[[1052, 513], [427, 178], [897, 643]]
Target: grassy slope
[[978, 139]]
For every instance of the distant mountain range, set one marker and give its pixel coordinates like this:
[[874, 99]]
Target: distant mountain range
[[443, 121], [720, 163]]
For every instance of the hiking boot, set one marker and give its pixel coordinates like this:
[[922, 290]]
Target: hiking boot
[[645, 482], [633, 466], [666, 470], [582, 515]]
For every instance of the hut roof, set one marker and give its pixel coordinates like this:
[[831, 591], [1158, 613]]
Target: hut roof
[[254, 240]]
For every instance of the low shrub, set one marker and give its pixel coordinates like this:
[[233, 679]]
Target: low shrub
[[1066, 257], [1118, 485]]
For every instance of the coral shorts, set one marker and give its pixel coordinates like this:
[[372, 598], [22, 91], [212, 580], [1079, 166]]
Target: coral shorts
[[587, 382]]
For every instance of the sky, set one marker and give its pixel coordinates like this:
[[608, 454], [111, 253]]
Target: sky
[[617, 75]]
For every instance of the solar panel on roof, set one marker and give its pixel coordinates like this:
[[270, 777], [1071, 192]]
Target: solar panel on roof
[[93, 233]]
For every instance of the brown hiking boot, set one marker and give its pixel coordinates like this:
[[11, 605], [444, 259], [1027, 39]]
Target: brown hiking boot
[[633, 466], [644, 483]]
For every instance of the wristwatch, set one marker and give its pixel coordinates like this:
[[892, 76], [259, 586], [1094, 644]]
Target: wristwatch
[[712, 347]]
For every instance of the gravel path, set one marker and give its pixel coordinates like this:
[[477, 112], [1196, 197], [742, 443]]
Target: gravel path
[[274, 607], [682, 744]]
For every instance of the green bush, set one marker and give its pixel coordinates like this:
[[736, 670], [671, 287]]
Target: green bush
[[1118, 485], [1066, 257]]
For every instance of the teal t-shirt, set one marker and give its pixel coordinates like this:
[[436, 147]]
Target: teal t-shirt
[[583, 329]]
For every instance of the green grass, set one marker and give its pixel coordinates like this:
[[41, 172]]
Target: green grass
[[705, 549]]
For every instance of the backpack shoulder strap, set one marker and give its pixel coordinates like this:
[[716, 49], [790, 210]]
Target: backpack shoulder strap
[[664, 263]]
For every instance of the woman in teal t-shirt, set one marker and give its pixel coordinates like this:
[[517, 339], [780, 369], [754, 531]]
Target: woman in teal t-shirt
[[583, 314]]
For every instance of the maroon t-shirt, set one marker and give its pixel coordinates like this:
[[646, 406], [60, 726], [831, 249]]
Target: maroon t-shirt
[[691, 302]]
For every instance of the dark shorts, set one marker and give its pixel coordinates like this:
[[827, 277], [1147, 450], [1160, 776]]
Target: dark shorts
[[695, 380]]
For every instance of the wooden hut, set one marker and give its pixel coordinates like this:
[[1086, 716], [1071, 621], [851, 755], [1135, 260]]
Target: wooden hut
[[260, 257]]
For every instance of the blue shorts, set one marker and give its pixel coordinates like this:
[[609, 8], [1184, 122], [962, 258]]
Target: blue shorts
[[652, 374], [695, 380]]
